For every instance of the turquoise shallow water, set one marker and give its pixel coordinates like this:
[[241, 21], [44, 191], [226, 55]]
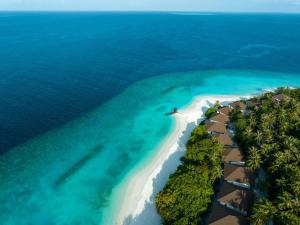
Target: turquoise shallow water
[[68, 175]]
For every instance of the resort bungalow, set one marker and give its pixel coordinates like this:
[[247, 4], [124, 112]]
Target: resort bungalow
[[225, 110], [214, 128], [253, 103], [237, 197], [281, 97], [221, 215], [238, 174], [238, 105], [232, 154], [224, 139], [220, 118]]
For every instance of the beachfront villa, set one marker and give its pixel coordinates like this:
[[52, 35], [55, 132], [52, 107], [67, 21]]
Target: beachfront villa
[[252, 103], [224, 139], [215, 128], [222, 215], [225, 110], [219, 118], [233, 201], [238, 105], [233, 154], [237, 173], [235, 197], [281, 97]]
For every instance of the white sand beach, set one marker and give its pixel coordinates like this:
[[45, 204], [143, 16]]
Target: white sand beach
[[138, 204]]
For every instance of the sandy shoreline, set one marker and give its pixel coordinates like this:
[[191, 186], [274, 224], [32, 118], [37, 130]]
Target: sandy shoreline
[[138, 206]]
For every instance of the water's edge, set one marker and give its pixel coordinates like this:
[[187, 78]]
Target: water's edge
[[69, 175]]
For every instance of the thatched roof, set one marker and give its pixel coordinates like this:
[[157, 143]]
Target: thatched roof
[[220, 215], [239, 105], [237, 173], [215, 127], [237, 197], [232, 154], [224, 139], [225, 110], [221, 118], [280, 97]]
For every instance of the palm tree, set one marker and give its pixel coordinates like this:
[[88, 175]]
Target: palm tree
[[282, 182], [265, 149], [217, 105], [248, 132], [288, 206], [252, 121], [269, 136], [264, 211], [295, 186], [258, 137], [283, 120], [289, 142], [284, 127], [276, 164], [267, 121], [254, 160], [281, 162], [286, 201]]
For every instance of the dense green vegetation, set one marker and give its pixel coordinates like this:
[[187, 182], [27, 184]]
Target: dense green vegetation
[[210, 111], [269, 135], [188, 193]]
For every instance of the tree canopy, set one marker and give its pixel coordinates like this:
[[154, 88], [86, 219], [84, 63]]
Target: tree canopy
[[188, 193], [269, 134], [210, 111]]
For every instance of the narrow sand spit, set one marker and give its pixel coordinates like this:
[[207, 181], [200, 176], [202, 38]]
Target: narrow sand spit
[[138, 204]]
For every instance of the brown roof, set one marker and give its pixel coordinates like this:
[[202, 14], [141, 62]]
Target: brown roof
[[235, 196], [237, 173], [232, 154], [253, 103], [225, 110], [223, 216], [224, 139], [221, 118], [215, 127], [239, 105], [280, 97]]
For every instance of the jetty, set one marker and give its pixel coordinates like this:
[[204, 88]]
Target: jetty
[[174, 111]]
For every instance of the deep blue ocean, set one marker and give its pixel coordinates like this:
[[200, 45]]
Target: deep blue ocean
[[83, 97], [56, 66]]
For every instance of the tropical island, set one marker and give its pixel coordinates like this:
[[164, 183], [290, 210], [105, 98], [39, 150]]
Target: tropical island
[[241, 165]]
